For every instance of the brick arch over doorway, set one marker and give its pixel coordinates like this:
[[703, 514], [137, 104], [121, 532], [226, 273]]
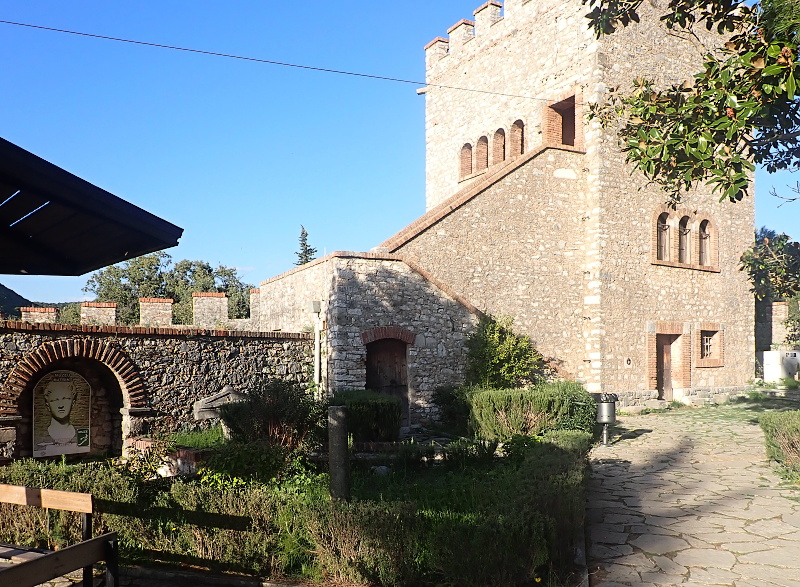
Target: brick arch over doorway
[[374, 334], [132, 386]]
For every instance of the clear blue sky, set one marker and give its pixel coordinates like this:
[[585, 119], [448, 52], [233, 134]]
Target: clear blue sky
[[237, 153]]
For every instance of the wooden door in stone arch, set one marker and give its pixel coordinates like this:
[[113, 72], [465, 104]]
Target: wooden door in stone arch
[[664, 367], [387, 370]]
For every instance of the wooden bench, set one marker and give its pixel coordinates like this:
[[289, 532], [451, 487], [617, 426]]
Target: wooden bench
[[26, 567]]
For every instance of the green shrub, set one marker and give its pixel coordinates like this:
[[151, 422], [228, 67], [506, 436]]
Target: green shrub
[[790, 383], [279, 412], [453, 403], [371, 416], [500, 414], [198, 437], [498, 358], [237, 463], [782, 436]]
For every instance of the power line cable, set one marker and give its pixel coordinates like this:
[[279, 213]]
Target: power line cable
[[267, 61]]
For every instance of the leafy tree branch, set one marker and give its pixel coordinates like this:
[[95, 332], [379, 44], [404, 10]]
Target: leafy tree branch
[[740, 110]]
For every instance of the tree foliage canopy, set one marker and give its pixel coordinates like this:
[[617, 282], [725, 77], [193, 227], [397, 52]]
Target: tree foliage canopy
[[773, 265], [306, 253], [741, 109], [154, 276], [498, 358]]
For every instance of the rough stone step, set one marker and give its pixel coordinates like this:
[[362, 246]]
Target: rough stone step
[[655, 404]]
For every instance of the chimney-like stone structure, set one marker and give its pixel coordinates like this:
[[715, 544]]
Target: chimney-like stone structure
[[210, 310], [38, 315], [155, 312], [99, 313]]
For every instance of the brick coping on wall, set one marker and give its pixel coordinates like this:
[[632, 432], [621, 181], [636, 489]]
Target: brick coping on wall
[[464, 195], [409, 261], [147, 331]]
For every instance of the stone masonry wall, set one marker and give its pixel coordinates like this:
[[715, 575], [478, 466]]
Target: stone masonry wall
[[770, 324], [634, 294], [516, 248], [285, 299], [376, 291], [360, 292], [538, 53], [176, 366], [616, 297]]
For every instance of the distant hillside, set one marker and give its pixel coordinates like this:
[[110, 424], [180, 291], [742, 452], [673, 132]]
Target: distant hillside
[[11, 302]]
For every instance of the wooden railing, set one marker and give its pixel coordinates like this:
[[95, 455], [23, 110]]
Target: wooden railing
[[34, 566]]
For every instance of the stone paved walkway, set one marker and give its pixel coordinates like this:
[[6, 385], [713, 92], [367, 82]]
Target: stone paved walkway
[[687, 497]]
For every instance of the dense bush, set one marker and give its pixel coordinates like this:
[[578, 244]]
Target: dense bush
[[371, 416], [502, 413], [782, 435], [454, 405], [279, 412], [498, 358]]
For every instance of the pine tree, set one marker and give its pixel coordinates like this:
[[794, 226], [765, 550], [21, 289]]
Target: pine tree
[[306, 253]]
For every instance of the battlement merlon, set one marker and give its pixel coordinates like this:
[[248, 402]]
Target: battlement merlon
[[460, 33], [486, 15], [435, 50]]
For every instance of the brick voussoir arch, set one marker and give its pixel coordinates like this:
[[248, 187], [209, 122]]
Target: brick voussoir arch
[[381, 332], [111, 355]]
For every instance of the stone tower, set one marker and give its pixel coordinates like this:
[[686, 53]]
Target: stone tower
[[532, 211]]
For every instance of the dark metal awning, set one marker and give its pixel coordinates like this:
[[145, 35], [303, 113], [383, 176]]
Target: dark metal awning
[[55, 223]]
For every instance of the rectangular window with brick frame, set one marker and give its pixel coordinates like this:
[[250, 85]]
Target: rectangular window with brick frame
[[709, 346]]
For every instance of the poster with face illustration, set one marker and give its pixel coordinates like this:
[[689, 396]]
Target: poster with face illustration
[[61, 402]]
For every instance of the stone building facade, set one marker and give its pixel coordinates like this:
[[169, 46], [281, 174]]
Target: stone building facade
[[381, 322], [629, 295]]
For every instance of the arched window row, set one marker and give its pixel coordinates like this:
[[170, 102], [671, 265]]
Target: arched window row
[[477, 159], [685, 239]]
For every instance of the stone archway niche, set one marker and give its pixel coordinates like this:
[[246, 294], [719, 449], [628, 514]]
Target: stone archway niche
[[122, 396]]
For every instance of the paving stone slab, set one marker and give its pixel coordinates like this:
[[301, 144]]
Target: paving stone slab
[[787, 557], [659, 544]]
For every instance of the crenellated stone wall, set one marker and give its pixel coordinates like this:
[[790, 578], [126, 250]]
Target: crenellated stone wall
[[209, 310], [529, 58]]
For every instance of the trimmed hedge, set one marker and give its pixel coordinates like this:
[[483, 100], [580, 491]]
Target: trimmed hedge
[[782, 436], [502, 413], [371, 416]]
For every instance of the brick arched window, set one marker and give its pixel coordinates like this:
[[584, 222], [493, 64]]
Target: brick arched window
[[704, 244], [662, 237], [684, 240], [517, 138], [466, 161], [482, 154], [499, 146]]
